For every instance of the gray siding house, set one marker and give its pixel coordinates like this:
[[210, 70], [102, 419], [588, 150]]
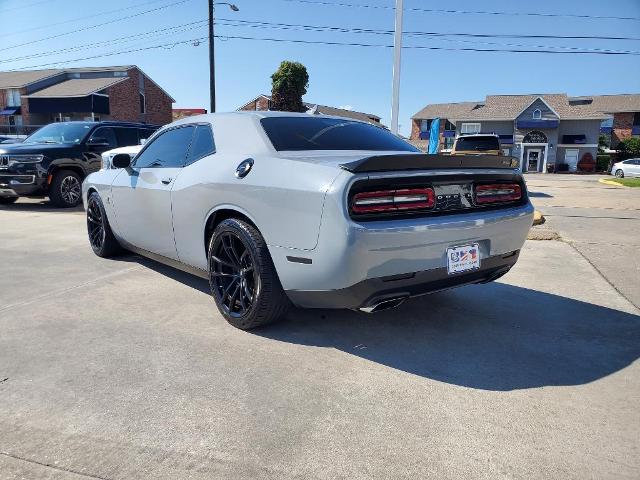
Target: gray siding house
[[547, 132]]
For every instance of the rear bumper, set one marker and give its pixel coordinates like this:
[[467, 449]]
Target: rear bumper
[[374, 290]]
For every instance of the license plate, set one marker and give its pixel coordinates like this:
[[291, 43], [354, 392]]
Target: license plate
[[463, 258]]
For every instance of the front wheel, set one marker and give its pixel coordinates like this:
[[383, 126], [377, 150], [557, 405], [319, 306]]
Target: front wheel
[[103, 243], [619, 173], [66, 189], [243, 279], [8, 200]]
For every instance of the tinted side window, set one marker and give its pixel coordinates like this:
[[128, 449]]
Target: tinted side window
[[145, 134], [167, 150], [202, 144], [126, 137], [477, 143], [321, 133], [106, 134]]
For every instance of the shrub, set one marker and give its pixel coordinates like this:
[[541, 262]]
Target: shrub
[[603, 162], [290, 83], [629, 148]]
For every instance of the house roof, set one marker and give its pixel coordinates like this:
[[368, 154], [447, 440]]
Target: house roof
[[76, 87], [617, 103], [508, 107], [326, 110], [22, 78]]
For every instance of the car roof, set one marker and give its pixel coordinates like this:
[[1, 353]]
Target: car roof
[[114, 123], [259, 114]]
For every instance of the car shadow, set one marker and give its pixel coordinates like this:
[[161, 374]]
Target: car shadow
[[496, 336], [539, 195]]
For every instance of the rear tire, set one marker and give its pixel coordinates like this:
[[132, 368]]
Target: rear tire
[[101, 238], [242, 277], [66, 189], [619, 173], [8, 200]]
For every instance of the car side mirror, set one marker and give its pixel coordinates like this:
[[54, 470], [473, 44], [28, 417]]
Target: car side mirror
[[98, 142], [121, 160]]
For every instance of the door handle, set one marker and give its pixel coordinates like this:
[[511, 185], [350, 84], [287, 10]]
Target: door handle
[[166, 180]]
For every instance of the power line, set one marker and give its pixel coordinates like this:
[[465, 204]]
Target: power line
[[94, 15], [466, 12], [23, 6], [162, 31], [95, 26], [318, 42], [435, 34]]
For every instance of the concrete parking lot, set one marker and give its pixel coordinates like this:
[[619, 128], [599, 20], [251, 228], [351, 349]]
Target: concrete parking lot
[[121, 369]]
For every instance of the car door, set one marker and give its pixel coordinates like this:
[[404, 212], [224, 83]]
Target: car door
[[635, 167], [101, 140], [142, 193]]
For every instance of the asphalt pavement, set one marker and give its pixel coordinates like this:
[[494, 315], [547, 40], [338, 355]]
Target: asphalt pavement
[[123, 369]]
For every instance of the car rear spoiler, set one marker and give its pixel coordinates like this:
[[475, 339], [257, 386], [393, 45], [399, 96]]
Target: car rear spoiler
[[386, 163]]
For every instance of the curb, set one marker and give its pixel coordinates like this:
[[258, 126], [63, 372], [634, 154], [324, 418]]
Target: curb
[[610, 182], [538, 218]]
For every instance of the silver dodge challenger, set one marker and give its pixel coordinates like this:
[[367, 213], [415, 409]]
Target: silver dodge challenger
[[278, 209]]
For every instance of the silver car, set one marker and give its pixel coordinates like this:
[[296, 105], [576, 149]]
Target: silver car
[[278, 208], [626, 168]]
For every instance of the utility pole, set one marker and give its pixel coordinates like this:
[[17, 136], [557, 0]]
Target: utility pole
[[212, 62], [212, 57], [397, 53]]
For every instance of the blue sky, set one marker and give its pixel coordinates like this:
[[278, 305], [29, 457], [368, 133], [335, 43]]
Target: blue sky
[[359, 77]]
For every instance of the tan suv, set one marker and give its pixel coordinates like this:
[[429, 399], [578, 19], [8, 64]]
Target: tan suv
[[478, 143]]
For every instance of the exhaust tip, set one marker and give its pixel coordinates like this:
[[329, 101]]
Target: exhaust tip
[[384, 304]]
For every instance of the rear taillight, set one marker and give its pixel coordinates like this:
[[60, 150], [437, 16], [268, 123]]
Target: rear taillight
[[389, 201], [497, 193]]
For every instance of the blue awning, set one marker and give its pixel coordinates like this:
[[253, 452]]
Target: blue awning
[[10, 111], [506, 139], [449, 134], [537, 123], [606, 129], [635, 130]]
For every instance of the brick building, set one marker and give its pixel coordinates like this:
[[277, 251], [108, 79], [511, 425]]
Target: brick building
[[545, 131], [179, 113], [30, 99], [263, 102]]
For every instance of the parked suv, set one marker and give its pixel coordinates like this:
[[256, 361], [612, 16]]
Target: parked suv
[[54, 160], [479, 143]]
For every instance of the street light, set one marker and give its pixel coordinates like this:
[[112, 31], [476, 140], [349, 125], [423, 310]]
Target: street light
[[212, 63]]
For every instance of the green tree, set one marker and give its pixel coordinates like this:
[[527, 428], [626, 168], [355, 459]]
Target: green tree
[[289, 84], [604, 141], [629, 148]]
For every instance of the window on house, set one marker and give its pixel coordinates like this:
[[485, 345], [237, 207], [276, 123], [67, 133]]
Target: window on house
[[425, 125], [143, 103], [13, 97], [470, 128], [636, 119], [537, 114], [449, 126]]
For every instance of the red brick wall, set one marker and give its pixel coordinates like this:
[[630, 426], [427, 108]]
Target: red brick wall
[[159, 104], [622, 125], [415, 129], [124, 101]]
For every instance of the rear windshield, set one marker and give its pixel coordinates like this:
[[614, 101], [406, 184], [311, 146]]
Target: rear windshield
[[319, 133], [478, 144]]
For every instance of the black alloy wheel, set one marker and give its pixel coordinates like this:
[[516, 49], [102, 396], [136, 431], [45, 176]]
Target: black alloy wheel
[[101, 238], [243, 279], [95, 224], [71, 189], [66, 189], [233, 275]]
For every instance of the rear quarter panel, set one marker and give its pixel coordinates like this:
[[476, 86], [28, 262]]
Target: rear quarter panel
[[284, 198]]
